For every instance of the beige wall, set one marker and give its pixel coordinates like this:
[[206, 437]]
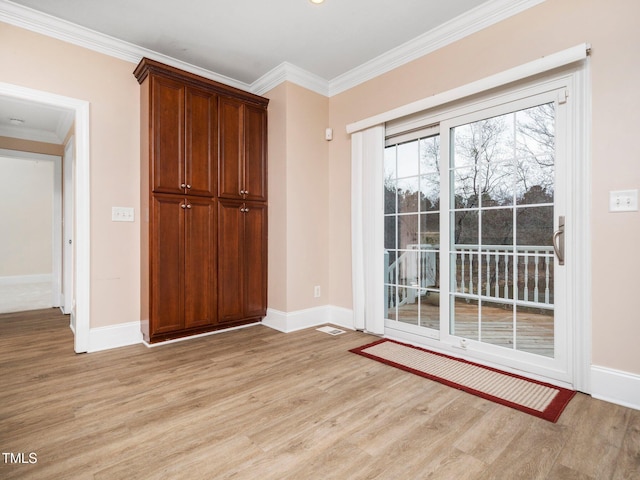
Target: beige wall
[[9, 143], [277, 210], [611, 28], [26, 216], [43, 63], [298, 193]]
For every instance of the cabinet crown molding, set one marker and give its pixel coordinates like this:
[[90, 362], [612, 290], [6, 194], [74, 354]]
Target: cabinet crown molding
[[147, 66]]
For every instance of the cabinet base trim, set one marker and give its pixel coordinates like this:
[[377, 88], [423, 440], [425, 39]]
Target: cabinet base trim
[[191, 337]]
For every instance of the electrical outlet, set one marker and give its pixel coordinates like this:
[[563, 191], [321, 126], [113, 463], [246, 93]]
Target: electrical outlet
[[316, 291]]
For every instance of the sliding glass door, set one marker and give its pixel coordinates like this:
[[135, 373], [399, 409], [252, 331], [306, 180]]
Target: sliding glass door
[[473, 207]]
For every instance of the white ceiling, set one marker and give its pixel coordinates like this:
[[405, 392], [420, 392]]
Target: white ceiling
[[244, 39], [243, 42]]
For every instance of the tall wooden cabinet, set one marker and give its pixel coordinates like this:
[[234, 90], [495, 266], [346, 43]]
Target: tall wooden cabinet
[[203, 204]]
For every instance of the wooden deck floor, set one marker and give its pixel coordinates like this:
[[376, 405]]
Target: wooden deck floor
[[257, 403], [533, 330]]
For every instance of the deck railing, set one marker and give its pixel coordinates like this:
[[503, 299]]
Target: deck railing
[[488, 271]]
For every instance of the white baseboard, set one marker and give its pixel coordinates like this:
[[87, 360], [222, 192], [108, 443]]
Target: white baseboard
[[114, 336], [342, 317], [22, 279], [124, 334], [615, 386], [311, 317]]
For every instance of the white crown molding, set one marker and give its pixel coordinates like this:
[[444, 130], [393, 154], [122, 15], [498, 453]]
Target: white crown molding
[[288, 72], [51, 26], [479, 18], [473, 21]]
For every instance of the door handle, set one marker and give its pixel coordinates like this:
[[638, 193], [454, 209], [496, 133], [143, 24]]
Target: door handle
[[558, 240]]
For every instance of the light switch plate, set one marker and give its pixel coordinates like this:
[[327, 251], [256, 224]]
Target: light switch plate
[[122, 214], [623, 201]]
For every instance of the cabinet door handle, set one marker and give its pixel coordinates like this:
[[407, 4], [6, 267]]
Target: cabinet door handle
[[183, 206], [189, 205], [188, 186], [182, 185]]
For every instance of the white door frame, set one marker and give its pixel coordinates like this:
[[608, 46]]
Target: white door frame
[[67, 246], [81, 189], [56, 242]]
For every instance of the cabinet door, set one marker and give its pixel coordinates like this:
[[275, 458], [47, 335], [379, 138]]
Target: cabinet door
[[201, 142], [255, 156], [242, 260], [230, 252], [255, 259], [167, 132], [166, 265], [200, 263], [231, 150]]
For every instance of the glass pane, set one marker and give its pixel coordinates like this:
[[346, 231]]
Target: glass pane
[[497, 227], [408, 197], [430, 229], [429, 193], [465, 188], [502, 196], [408, 306], [390, 190], [465, 225], [430, 155], [465, 268], [408, 155], [464, 314], [497, 274], [412, 185], [390, 163], [534, 181], [407, 231], [484, 142], [430, 309], [535, 276], [390, 257], [534, 226], [391, 302], [498, 183], [497, 324], [535, 331], [390, 232]]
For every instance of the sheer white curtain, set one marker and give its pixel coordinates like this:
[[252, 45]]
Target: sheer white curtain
[[367, 229]]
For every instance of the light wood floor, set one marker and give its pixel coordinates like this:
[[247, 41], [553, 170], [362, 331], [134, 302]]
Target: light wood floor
[[259, 404]]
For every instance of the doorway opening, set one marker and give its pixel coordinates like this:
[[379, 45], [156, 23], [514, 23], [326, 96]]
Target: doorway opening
[[80, 306]]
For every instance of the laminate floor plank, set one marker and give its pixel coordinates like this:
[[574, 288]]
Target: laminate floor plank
[[257, 403]]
